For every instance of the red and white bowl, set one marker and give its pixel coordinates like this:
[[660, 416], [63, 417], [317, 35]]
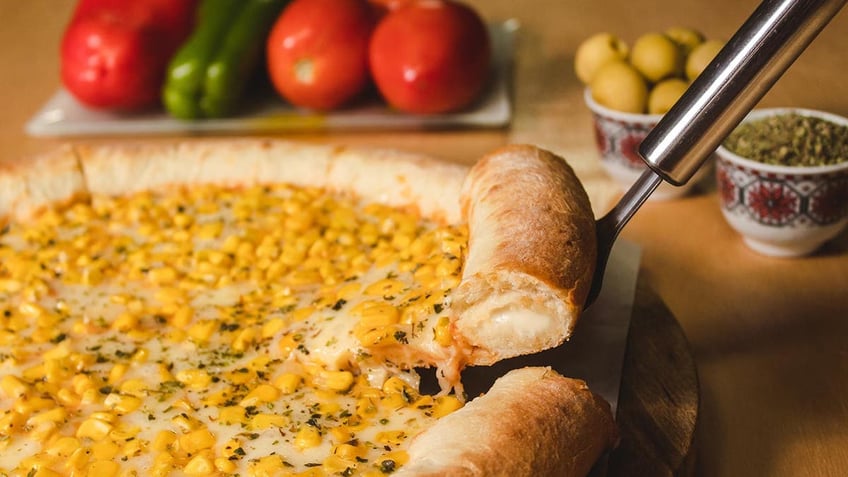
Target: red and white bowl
[[618, 135], [783, 211]]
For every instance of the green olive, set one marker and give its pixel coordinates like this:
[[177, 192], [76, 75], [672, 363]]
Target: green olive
[[686, 38], [596, 50], [664, 94], [701, 56], [618, 85], [657, 57]]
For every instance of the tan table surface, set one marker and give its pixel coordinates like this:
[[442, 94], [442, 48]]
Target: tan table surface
[[768, 335]]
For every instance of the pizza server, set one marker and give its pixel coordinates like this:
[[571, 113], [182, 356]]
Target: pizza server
[[741, 73]]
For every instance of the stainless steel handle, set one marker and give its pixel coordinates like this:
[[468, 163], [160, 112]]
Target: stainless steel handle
[[748, 65]]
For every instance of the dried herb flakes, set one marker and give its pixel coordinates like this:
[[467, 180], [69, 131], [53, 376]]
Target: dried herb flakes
[[790, 140]]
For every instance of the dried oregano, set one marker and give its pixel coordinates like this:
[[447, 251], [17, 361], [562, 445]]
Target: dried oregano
[[790, 140]]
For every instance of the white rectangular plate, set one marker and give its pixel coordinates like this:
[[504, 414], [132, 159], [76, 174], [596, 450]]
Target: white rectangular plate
[[64, 116]]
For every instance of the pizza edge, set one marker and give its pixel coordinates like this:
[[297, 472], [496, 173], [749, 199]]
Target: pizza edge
[[533, 421], [583, 427], [531, 254]]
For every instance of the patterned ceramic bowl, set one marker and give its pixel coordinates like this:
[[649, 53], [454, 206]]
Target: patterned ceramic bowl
[[783, 211], [618, 135]]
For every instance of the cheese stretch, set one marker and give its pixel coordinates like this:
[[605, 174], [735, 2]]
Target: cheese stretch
[[212, 331]]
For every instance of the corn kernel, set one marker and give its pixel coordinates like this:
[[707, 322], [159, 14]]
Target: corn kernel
[[132, 448], [117, 372], [266, 421], [122, 404], [199, 465], [339, 381], [26, 406], [260, 394], [162, 275], [59, 351], [125, 322], [105, 449], [210, 230], [375, 314], [392, 438], [243, 339], [202, 331], [441, 332], [385, 287], [307, 437], [104, 468], [194, 378], [197, 440], [94, 429], [13, 387], [11, 421], [288, 383], [225, 465], [124, 432], [396, 385], [445, 405], [135, 387], [63, 446], [349, 451], [335, 464], [232, 415], [267, 466], [163, 440], [67, 397], [341, 434], [398, 458], [272, 327], [140, 356]]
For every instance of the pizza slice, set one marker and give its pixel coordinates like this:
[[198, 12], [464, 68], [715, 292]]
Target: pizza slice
[[260, 307]]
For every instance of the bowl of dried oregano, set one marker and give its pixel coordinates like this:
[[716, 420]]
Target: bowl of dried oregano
[[782, 178]]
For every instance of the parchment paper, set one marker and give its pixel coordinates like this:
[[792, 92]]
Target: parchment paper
[[596, 350]]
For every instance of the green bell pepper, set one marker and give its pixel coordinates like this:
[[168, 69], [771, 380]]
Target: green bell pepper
[[208, 75]]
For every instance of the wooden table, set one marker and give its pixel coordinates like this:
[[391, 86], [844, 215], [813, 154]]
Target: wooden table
[[768, 335]]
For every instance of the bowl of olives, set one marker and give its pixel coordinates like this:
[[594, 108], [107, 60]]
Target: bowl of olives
[[628, 89], [782, 178]]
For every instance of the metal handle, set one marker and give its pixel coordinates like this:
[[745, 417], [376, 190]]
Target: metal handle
[[729, 87]]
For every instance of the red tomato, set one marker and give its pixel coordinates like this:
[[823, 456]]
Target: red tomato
[[114, 53], [318, 52], [430, 56], [385, 6], [173, 18]]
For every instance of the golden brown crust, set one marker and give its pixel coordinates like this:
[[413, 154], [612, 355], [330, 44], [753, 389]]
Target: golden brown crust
[[50, 178], [379, 175], [532, 422], [400, 178], [531, 254]]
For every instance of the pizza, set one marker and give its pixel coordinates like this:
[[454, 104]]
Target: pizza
[[264, 307]]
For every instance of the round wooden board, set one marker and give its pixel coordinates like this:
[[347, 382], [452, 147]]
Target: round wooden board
[[659, 398]]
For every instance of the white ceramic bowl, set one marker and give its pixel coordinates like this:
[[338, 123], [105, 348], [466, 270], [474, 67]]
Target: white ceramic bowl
[[783, 211], [618, 135]]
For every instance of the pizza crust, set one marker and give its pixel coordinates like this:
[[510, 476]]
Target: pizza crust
[[367, 173], [27, 187], [532, 421], [400, 179], [531, 254]]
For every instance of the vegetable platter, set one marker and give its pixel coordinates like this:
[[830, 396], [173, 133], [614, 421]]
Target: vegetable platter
[[63, 115]]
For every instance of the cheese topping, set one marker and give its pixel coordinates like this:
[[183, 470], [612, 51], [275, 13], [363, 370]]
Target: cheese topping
[[520, 322], [212, 331]]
